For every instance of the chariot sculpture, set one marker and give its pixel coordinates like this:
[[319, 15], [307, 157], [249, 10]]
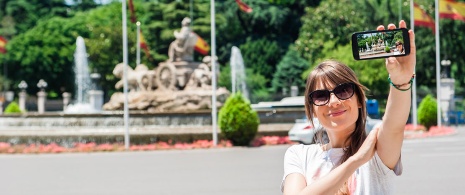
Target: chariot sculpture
[[178, 83]]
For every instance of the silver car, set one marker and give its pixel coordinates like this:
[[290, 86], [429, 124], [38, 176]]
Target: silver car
[[304, 132]]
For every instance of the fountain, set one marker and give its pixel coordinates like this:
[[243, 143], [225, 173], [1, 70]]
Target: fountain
[[83, 81], [171, 102], [238, 72]]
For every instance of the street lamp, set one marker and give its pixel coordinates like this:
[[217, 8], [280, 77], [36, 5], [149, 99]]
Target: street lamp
[[446, 64], [22, 95], [22, 85], [95, 77], [42, 84]]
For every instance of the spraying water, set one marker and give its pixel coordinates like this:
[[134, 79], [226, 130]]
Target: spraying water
[[238, 72], [82, 80]]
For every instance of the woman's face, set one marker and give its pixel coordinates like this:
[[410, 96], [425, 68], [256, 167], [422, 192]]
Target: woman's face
[[399, 47], [337, 115]]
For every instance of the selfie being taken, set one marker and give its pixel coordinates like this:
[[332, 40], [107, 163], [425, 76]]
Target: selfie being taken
[[352, 162]]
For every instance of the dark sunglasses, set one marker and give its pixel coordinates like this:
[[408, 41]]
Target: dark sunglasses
[[342, 91]]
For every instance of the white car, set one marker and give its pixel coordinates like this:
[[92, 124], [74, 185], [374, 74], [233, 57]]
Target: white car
[[304, 132]]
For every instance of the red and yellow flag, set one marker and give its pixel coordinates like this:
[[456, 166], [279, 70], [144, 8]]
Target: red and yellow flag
[[144, 45], [244, 7], [132, 11], [421, 18], [2, 45], [452, 10], [201, 46]]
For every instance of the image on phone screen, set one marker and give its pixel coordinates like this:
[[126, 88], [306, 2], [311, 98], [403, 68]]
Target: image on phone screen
[[380, 44]]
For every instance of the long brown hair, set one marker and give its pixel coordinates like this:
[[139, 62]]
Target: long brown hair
[[333, 72]]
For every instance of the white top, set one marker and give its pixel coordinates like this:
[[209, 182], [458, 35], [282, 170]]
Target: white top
[[373, 177]]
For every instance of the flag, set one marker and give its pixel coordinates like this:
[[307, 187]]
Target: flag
[[244, 7], [452, 10], [2, 45], [421, 18], [201, 46], [133, 13], [144, 46]]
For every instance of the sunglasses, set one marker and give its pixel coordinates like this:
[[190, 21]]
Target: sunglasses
[[342, 92]]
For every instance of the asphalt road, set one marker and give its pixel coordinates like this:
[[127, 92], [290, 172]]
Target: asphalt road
[[431, 166]]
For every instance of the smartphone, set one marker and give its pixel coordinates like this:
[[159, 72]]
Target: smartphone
[[380, 44]]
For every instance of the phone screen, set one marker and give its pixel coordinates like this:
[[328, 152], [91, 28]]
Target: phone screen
[[380, 44]]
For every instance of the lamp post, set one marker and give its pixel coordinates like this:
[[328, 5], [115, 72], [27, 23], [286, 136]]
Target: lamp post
[[22, 95], [446, 64], [95, 95], [447, 92], [41, 95]]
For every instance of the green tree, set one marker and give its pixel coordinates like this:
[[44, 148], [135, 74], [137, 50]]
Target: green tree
[[289, 72]]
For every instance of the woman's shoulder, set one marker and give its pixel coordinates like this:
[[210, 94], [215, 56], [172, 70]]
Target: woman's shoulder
[[304, 149]]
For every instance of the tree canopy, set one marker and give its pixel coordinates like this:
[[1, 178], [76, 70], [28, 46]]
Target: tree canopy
[[42, 34]]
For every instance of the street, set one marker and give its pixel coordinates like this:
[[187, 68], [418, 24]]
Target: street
[[431, 166]]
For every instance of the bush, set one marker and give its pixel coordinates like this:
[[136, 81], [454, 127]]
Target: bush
[[387, 49], [427, 112], [13, 107], [237, 121]]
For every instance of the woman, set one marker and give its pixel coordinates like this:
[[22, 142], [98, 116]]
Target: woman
[[352, 162], [399, 48]]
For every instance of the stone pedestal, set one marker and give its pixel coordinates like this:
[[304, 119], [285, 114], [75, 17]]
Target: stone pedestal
[[66, 100], [22, 101], [41, 98], [96, 99], [294, 91], [447, 97]]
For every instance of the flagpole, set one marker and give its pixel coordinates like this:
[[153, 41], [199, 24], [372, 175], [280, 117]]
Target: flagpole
[[125, 73], [213, 61], [414, 84], [400, 10], [438, 68], [191, 12], [138, 44]]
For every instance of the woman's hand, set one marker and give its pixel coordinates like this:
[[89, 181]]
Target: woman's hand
[[368, 148], [400, 69]]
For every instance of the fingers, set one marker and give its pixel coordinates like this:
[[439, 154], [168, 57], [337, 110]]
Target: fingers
[[373, 133], [402, 24], [391, 26], [412, 42]]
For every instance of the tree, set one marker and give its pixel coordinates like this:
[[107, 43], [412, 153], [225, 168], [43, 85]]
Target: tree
[[289, 72]]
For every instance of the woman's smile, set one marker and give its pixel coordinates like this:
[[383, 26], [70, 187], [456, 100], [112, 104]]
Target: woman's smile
[[336, 113]]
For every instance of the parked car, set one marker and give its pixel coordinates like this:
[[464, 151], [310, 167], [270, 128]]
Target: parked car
[[304, 132]]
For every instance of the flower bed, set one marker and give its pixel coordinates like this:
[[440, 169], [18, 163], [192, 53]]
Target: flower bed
[[7, 148]]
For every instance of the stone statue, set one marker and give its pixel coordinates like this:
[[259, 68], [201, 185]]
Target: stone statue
[[201, 77], [178, 84], [182, 49], [139, 79]]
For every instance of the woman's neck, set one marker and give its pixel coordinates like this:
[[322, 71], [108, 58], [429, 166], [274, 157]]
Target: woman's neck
[[338, 140]]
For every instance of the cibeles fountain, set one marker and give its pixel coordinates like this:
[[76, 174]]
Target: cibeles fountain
[[173, 98]]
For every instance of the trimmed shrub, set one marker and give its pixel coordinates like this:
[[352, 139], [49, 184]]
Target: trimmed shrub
[[387, 49], [13, 107], [427, 112], [238, 121]]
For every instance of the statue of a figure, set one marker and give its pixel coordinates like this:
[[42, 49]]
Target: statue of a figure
[[182, 49]]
